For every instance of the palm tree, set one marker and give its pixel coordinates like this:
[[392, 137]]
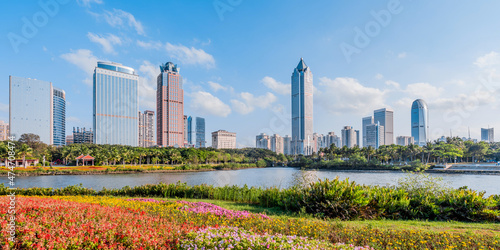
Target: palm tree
[[24, 150]]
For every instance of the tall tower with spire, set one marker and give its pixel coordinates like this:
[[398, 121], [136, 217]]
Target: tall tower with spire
[[302, 110]]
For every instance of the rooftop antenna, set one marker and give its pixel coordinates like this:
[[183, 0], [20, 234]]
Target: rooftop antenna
[[469, 132]]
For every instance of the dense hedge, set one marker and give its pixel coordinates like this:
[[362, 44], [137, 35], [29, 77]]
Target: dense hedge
[[325, 198]]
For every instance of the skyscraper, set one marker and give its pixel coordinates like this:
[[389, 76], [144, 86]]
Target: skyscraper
[[200, 132], [374, 135], [386, 118], [59, 116], [348, 137], [146, 129], [38, 108], [487, 135], [302, 109], [116, 104], [420, 122], [189, 131], [170, 107], [365, 122]]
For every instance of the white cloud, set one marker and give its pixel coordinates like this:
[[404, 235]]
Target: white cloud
[[241, 107], [106, 42], [149, 45], [190, 55], [402, 55], [182, 53], [87, 3], [121, 19], [392, 84], [249, 102], [147, 85], [83, 59], [488, 60], [343, 95], [465, 102], [379, 76], [215, 86], [424, 90], [278, 87], [206, 103]]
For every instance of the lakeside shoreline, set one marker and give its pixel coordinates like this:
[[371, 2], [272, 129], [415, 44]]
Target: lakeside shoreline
[[104, 172], [139, 171]]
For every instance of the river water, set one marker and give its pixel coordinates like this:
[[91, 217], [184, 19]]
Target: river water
[[263, 177]]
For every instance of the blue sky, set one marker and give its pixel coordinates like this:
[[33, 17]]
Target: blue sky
[[237, 58]]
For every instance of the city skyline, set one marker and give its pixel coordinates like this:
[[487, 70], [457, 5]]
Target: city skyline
[[388, 71]]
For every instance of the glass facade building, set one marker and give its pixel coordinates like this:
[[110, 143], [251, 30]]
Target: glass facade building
[[38, 108], [59, 116], [116, 104], [189, 130], [200, 132], [302, 110], [420, 122], [487, 135], [365, 122]]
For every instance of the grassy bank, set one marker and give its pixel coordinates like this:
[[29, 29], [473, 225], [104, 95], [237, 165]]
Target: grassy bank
[[122, 169]]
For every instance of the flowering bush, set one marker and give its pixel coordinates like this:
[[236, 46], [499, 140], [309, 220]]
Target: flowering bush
[[235, 238], [47, 223]]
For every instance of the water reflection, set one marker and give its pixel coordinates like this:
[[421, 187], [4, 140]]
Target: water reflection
[[263, 177]]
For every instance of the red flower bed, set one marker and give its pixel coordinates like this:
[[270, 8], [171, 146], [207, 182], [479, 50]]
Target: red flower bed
[[45, 223]]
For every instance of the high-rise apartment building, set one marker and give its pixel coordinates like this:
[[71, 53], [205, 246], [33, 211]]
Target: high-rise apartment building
[[146, 129], [4, 131], [170, 107], [404, 140], [223, 139], [38, 108], [365, 122], [82, 136], [116, 104], [332, 138], [263, 141], [420, 122], [357, 137], [277, 144], [487, 135], [374, 135], [386, 119], [348, 137], [302, 110], [200, 132], [287, 145]]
